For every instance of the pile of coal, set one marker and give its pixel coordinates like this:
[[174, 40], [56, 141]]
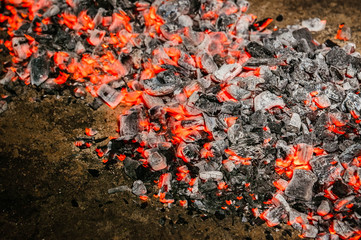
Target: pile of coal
[[226, 116]]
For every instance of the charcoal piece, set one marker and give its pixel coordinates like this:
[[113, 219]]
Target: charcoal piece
[[139, 188], [324, 170], [350, 153], [301, 184], [224, 21], [304, 153], [309, 65], [295, 122], [151, 101], [157, 161], [331, 44], [334, 93], [163, 84], [3, 106], [109, 95], [119, 189], [129, 123], [322, 101], [188, 152], [309, 231], [211, 175], [208, 186], [304, 33], [130, 167], [250, 83], [342, 229], [94, 172], [337, 57], [208, 65], [39, 70], [97, 103], [259, 119], [303, 46], [336, 75], [258, 51], [352, 102], [324, 208], [208, 104], [267, 100], [340, 189], [228, 165], [227, 72], [235, 133], [314, 24], [273, 215], [21, 47]]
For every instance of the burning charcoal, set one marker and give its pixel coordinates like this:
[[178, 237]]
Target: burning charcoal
[[304, 153], [228, 72], [39, 70], [324, 170], [151, 101], [267, 100], [322, 101], [97, 103], [109, 95], [301, 184], [138, 188], [342, 229], [163, 84], [314, 24], [258, 51], [343, 33], [119, 189], [188, 152], [21, 47], [157, 161], [337, 57], [273, 215], [211, 175], [228, 165], [297, 219], [324, 208], [309, 231]]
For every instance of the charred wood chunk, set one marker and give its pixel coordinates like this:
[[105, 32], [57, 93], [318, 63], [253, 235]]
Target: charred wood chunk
[[301, 184], [337, 57], [258, 51], [39, 70], [163, 84], [209, 104]]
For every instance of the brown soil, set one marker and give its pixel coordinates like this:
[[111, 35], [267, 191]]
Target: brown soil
[[47, 192]]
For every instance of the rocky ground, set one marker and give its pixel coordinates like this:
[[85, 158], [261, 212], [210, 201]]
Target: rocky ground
[[51, 190]]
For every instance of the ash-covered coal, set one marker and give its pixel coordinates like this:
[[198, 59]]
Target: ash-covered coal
[[227, 117]]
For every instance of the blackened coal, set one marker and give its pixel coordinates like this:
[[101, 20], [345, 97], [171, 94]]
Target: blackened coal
[[258, 51], [226, 117]]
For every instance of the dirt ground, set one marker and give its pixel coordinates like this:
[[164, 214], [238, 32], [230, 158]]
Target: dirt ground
[[51, 190]]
